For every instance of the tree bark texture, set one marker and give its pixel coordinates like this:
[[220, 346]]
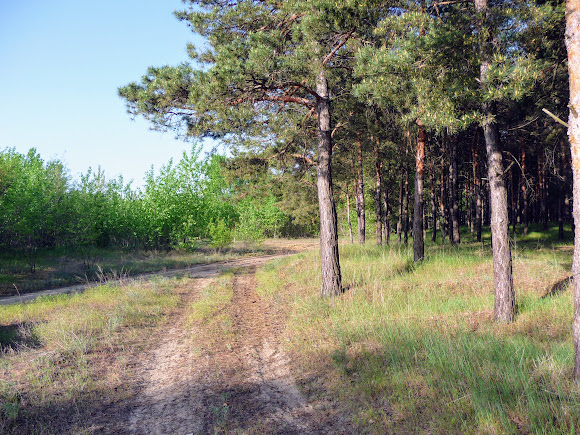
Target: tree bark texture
[[360, 194], [524, 189], [386, 215], [433, 204], [443, 200], [401, 205], [406, 211], [573, 48], [562, 190], [330, 266], [542, 188], [378, 192], [504, 309], [477, 187], [418, 240], [453, 192], [348, 215]]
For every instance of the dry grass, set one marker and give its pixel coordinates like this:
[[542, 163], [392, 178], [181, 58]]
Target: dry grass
[[58, 268]]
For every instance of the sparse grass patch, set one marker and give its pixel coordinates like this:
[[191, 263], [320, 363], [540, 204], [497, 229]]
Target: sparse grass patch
[[410, 349], [57, 359], [211, 311]]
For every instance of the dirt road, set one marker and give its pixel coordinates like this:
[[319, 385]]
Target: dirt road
[[192, 387]]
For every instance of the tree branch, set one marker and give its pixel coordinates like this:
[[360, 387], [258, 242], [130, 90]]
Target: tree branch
[[335, 49]]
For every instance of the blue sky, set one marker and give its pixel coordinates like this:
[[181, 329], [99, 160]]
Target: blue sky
[[61, 62]]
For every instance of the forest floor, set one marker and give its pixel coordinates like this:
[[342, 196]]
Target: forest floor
[[407, 348], [68, 271]]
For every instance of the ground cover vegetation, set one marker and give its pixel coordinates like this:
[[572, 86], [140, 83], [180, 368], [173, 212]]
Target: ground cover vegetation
[[66, 358], [414, 348]]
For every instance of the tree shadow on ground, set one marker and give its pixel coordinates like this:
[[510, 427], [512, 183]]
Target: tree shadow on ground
[[558, 287], [17, 336]]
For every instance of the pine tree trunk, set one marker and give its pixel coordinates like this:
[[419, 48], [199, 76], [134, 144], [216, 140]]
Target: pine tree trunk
[[573, 47], [348, 215], [542, 188], [406, 211], [443, 199], [433, 203], [378, 192], [504, 310], [524, 189], [562, 190], [360, 194], [386, 215], [401, 205], [418, 240], [477, 185], [453, 192], [330, 266], [513, 201]]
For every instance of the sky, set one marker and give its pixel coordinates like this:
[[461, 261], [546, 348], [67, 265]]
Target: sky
[[61, 62]]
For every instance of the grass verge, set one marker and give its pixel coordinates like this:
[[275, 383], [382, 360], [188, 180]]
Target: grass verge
[[62, 267]]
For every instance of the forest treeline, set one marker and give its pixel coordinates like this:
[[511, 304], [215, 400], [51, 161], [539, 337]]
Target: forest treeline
[[43, 207], [431, 111]]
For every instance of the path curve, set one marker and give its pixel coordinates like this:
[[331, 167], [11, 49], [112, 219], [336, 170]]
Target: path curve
[[198, 271]]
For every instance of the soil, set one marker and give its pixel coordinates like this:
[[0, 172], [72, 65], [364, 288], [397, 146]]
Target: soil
[[193, 387]]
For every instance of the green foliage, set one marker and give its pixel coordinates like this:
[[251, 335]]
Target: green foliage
[[40, 208], [220, 234]]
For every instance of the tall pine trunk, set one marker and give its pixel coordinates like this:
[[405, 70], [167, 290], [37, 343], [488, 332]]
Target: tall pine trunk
[[406, 210], [418, 240], [348, 214], [433, 202], [504, 309], [562, 189], [443, 199], [401, 205], [542, 189], [477, 186], [386, 215], [330, 266], [378, 192], [524, 189], [453, 192], [573, 47], [360, 194]]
